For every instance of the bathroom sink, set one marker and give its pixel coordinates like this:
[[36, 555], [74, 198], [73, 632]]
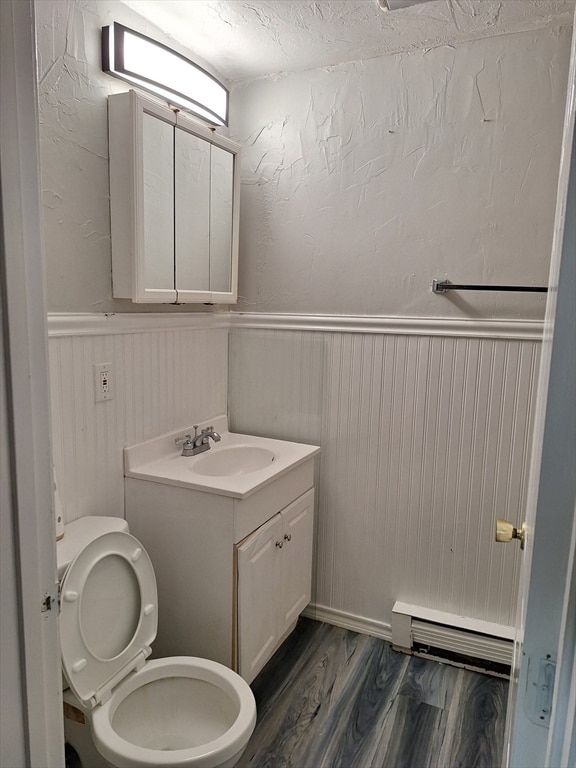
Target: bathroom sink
[[237, 465], [234, 460]]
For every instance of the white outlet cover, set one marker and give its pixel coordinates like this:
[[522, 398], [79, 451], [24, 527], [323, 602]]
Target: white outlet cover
[[103, 382]]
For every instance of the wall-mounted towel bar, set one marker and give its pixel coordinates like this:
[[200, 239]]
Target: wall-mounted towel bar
[[441, 286]]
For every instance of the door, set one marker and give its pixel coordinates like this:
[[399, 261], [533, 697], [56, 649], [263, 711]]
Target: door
[[540, 719]]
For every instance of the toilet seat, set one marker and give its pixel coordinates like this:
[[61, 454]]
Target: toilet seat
[[108, 615]]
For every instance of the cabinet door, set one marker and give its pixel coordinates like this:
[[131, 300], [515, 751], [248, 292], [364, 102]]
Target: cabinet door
[[192, 211], [297, 535], [221, 194], [158, 194], [259, 573]]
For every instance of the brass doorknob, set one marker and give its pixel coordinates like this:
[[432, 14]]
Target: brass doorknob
[[505, 532]]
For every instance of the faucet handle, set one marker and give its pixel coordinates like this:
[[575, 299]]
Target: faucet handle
[[180, 440]]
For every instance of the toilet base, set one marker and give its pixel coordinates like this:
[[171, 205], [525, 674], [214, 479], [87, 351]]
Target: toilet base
[[78, 734], [233, 761], [79, 737]]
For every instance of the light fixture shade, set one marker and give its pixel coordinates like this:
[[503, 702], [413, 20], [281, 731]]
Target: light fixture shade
[[156, 68], [393, 5]]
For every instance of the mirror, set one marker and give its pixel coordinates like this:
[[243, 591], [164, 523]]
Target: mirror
[[158, 151], [192, 212], [222, 173], [204, 176]]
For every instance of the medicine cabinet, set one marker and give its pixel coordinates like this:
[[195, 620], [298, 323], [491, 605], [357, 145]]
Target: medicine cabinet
[[174, 193]]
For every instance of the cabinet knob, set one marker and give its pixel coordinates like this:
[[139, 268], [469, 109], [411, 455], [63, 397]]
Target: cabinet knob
[[288, 536], [279, 544]]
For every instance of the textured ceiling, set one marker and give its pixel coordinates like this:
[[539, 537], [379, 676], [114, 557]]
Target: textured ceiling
[[249, 38]]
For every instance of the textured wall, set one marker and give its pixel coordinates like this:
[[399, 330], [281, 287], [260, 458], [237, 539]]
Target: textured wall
[[364, 181], [248, 38]]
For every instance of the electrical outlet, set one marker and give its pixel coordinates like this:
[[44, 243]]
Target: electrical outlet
[[103, 382]]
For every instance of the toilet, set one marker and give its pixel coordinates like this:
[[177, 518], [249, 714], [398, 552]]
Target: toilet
[[121, 710]]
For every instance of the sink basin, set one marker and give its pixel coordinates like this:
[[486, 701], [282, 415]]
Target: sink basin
[[237, 465], [235, 460]]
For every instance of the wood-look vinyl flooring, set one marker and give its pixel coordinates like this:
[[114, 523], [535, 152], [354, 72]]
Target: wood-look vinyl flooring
[[331, 698]]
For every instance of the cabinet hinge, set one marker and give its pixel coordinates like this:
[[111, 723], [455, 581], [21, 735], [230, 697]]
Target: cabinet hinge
[[51, 600]]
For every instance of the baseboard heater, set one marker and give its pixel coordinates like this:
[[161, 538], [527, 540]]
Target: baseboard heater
[[466, 642]]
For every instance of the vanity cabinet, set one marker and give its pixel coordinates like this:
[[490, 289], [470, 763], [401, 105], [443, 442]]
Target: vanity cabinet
[[233, 574], [274, 568], [174, 193]]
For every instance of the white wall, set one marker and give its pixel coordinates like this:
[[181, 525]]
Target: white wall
[[425, 433], [425, 441], [167, 376], [362, 182]]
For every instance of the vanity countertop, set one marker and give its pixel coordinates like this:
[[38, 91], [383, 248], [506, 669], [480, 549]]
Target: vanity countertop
[[237, 466]]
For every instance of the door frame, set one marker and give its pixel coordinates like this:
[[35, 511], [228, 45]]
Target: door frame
[[33, 696]]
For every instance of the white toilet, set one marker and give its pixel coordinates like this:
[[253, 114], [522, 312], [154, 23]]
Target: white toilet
[[121, 710]]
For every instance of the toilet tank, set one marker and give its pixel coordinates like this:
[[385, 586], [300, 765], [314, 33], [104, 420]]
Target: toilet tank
[[79, 533]]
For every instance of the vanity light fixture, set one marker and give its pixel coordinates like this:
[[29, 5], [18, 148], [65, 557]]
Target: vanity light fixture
[[393, 5], [156, 68]]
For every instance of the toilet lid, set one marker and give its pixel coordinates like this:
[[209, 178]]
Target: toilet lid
[[108, 614]]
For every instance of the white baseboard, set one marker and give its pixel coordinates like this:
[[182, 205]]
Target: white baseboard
[[349, 621], [471, 638]]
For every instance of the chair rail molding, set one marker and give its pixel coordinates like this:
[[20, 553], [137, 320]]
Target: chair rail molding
[[79, 324], [416, 326], [103, 324]]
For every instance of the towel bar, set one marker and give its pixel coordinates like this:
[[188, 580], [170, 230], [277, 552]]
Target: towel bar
[[441, 286]]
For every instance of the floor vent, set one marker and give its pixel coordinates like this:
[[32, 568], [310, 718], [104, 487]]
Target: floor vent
[[471, 643]]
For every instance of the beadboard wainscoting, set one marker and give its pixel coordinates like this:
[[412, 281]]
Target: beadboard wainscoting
[[425, 429], [169, 372]]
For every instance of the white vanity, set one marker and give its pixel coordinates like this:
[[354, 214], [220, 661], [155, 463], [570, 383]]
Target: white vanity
[[230, 534]]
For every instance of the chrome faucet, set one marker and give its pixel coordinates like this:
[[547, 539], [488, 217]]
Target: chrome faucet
[[187, 445], [191, 446]]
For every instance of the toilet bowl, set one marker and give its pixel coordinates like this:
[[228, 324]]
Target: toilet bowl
[[122, 710]]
